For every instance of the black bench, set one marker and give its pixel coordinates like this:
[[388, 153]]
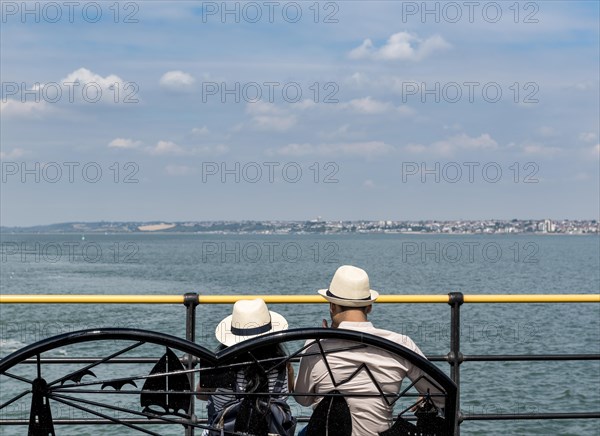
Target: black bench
[[120, 381]]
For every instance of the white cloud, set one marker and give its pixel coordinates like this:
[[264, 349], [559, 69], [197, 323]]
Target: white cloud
[[295, 150], [369, 105], [263, 108], [432, 44], [83, 76], [83, 85], [307, 103], [15, 153], [455, 143], [401, 46], [364, 50], [359, 79], [170, 148], [267, 116], [79, 86], [123, 143], [370, 184], [380, 82], [200, 130], [343, 132], [179, 170], [536, 149], [588, 136], [166, 148], [177, 81], [267, 122], [205, 134], [483, 141], [415, 148], [26, 109], [361, 149]]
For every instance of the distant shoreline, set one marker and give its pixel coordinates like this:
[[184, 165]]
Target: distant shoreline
[[2, 232], [313, 227]]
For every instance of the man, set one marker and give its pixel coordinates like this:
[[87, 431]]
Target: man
[[350, 301]]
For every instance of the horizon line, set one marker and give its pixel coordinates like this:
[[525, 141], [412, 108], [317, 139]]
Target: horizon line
[[317, 219]]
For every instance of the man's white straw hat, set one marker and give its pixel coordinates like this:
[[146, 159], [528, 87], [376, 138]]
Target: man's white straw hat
[[250, 318], [350, 287]]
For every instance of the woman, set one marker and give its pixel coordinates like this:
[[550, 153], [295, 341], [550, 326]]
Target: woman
[[250, 318]]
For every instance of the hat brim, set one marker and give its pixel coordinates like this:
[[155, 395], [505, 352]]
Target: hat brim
[[346, 302], [226, 337]]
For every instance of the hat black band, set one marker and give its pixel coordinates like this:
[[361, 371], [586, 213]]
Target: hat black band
[[252, 331], [329, 294]]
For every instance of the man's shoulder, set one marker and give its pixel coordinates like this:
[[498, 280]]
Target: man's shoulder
[[396, 337], [392, 336]]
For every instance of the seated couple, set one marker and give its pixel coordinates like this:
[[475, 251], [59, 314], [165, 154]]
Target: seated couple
[[350, 299]]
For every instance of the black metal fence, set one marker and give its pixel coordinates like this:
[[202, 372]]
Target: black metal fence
[[455, 358]]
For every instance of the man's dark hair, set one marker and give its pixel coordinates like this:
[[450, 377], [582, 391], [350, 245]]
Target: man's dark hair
[[363, 309]]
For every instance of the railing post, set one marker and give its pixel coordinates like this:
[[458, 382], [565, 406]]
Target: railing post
[[455, 357], [190, 300]]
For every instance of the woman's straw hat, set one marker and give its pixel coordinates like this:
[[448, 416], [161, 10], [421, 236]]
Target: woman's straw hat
[[250, 318]]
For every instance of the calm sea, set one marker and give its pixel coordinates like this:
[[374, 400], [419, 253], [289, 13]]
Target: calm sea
[[173, 264]]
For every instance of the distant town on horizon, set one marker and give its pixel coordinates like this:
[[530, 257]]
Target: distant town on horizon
[[319, 226]]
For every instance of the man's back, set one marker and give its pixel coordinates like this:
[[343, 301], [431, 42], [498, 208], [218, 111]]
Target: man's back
[[370, 415]]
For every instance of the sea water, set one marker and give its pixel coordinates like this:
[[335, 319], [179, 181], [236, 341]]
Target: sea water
[[172, 264]]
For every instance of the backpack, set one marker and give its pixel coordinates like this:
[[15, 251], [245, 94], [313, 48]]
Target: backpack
[[255, 415], [331, 416]]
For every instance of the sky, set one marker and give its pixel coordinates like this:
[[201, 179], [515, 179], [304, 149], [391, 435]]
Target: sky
[[193, 111]]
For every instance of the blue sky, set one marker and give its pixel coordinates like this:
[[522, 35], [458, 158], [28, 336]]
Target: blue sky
[[499, 105]]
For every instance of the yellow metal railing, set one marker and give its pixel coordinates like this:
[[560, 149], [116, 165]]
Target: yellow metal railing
[[288, 299], [455, 299]]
